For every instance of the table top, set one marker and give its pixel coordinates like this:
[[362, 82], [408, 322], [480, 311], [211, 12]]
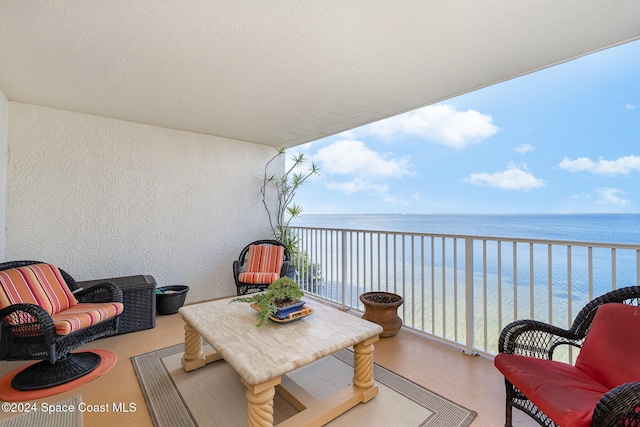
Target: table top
[[260, 354]]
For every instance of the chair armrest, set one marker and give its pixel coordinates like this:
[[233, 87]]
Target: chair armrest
[[618, 405], [535, 339], [236, 268], [101, 292], [28, 320], [236, 272], [284, 269]]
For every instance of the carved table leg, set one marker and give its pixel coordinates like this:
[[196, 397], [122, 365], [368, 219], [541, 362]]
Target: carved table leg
[[260, 403], [193, 357], [363, 367]]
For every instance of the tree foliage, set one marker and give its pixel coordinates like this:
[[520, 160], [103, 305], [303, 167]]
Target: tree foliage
[[285, 187]]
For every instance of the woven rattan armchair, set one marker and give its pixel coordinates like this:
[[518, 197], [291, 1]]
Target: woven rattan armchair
[[533, 339], [264, 273], [31, 332]]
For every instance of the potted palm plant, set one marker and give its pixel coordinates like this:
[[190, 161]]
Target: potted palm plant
[[285, 187]]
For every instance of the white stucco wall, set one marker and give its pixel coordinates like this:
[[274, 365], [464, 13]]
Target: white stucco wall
[[103, 198], [4, 118]]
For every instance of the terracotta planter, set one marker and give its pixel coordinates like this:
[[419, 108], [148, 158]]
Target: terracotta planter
[[382, 308]]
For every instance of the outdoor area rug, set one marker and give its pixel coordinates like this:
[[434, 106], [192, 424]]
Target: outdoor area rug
[[43, 418], [214, 396]]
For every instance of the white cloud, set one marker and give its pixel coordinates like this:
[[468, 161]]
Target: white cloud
[[577, 165], [354, 157], [581, 196], [441, 124], [621, 166], [357, 185], [362, 169], [524, 148], [609, 196], [515, 177], [630, 107]]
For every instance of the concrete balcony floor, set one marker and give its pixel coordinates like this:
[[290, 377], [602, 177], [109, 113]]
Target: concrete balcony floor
[[470, 381]]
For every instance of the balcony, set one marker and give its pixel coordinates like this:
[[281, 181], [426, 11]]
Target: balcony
[[444, 369], [451, 284]]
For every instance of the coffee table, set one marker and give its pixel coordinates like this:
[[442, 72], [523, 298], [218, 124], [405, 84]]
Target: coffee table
[[263, 356]]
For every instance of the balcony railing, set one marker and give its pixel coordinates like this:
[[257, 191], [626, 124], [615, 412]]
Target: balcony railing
[[463, 289]]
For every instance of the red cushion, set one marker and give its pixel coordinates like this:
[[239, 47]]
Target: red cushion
[[563, 392], [610, 351], [258, 278], [264, 259]]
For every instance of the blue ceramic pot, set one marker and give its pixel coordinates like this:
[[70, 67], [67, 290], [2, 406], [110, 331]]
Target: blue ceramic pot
[[284, 312]]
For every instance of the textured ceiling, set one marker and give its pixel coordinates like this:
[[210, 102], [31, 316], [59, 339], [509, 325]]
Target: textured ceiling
[[290, 71]]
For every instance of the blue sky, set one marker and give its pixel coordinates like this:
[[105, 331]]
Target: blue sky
[[562, 140]]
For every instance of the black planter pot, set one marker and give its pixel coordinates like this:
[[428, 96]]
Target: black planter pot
[[292, 272], [170, 299]]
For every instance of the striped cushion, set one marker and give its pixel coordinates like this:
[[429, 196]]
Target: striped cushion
[[43, 285], [15, 289], [84, 314], [265, 259], [47, 277], [258, 278]]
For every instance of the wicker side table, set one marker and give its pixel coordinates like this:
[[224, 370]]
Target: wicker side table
[[139, 294]]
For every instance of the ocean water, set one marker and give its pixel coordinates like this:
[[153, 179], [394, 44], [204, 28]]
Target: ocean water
[[504, 290], [609, 228]]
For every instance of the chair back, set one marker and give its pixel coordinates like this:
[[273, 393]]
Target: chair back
[[264, 259], [39, 284], [610, 351]]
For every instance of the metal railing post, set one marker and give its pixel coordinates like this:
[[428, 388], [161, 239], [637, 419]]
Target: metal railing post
[[469, 312], [343, 305]]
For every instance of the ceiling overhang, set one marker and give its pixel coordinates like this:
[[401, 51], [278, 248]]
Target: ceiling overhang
[[286, 72]]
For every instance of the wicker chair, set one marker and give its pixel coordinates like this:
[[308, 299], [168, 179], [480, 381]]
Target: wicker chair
[[252, 274], [533, 339], [31, 331]]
